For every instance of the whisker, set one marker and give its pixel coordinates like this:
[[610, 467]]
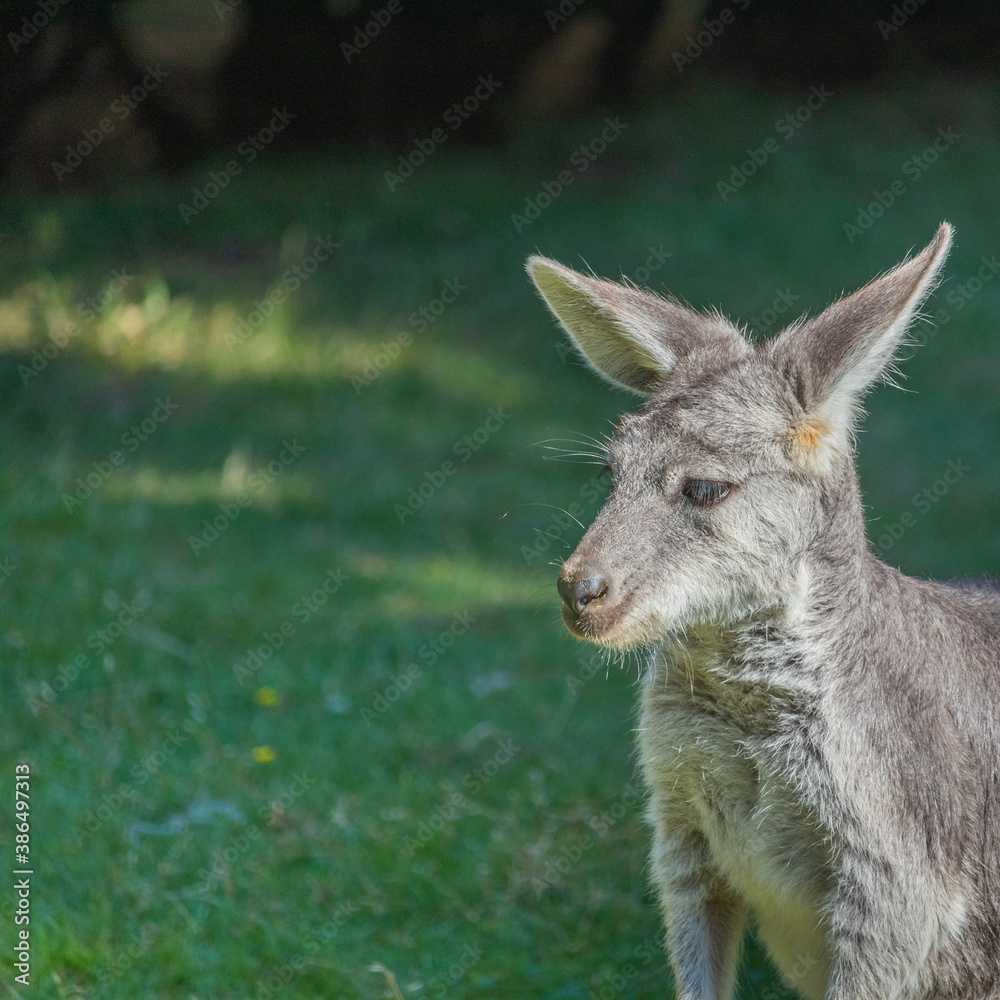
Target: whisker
[[570, 453], [599, 442], [562, 510], [554, 538], [577, 460], [582, 439], [574, 451], [585, 440], [538, 503]]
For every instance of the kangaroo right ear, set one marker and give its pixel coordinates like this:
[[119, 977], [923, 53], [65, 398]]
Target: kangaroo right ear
[[833, 359], [633, 339]]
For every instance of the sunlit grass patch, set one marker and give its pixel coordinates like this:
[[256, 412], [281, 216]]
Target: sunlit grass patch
[[410, 587], [377, 624], [142, 326]]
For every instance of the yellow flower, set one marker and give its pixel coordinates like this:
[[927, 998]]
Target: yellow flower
[[264, 754], [267, 696]]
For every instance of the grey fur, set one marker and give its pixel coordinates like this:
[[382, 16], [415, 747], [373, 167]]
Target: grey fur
[[820, 734]]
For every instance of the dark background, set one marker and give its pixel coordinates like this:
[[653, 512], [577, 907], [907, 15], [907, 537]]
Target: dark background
[[339, 744], [231, 61]]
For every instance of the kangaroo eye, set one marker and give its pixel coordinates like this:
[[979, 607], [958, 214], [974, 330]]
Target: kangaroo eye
[[706, 492]]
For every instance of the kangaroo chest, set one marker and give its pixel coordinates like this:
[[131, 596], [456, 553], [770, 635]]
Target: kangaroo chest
[[708, 751]]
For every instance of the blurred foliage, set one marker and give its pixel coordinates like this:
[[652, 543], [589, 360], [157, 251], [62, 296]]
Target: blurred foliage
[[406, 764]]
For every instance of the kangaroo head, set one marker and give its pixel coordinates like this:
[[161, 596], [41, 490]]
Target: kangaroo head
[[737, 474]]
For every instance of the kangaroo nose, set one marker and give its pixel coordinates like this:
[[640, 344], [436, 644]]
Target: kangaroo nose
[[577, 594]]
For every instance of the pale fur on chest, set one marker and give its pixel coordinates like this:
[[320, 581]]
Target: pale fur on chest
[[707, 743]]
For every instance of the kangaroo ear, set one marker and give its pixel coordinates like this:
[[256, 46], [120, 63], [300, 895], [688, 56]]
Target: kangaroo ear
[[834, 358], [633, 339]]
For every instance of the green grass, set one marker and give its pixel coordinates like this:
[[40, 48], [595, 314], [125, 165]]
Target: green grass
[[386, 846]]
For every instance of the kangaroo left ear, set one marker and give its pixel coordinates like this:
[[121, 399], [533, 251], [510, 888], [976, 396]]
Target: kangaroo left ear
[[632, 338], [833, 359]]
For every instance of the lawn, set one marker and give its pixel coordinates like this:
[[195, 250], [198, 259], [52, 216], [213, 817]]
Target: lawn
[[278, 536]]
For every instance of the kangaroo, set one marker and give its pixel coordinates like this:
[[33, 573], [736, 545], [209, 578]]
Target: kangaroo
[[819, 734]]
